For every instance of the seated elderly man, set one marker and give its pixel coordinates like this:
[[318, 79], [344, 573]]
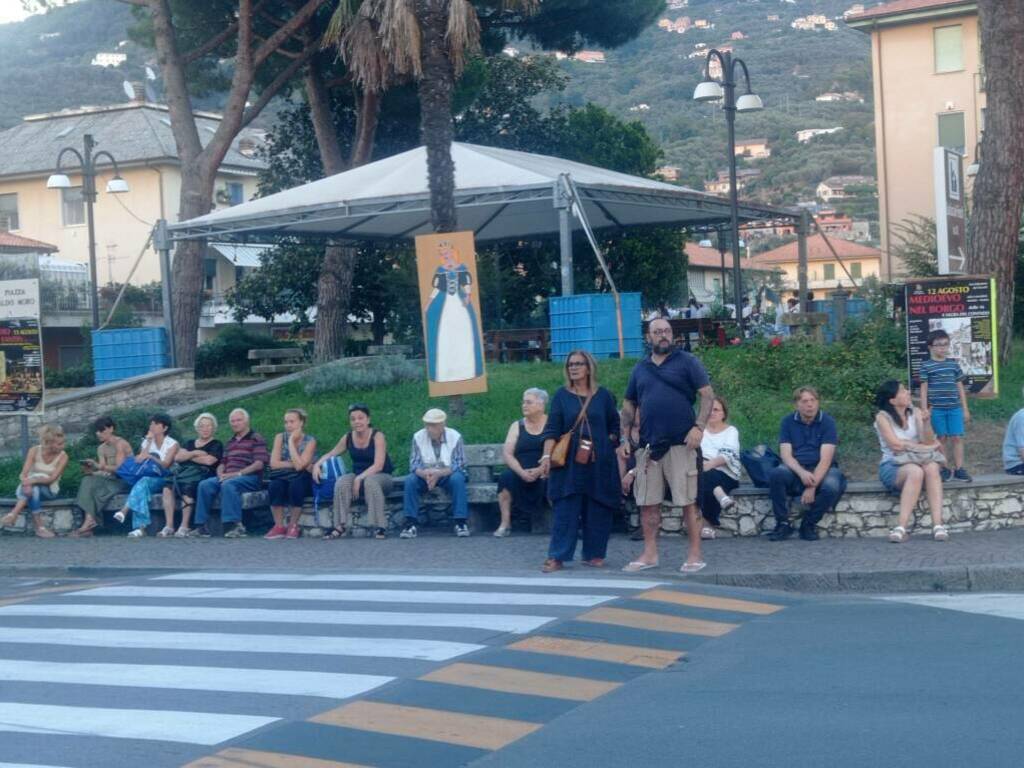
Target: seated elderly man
[[437, 459], [807, 447], [1013, 445], [240, 471]]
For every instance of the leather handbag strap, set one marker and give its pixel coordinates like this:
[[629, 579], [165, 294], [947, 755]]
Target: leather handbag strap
[[583, 412]]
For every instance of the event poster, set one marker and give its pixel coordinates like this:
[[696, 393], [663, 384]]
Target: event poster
[[964, 307], [450, 301], [21, 349]]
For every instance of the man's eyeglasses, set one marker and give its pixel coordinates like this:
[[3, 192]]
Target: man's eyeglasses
[[661, 332]]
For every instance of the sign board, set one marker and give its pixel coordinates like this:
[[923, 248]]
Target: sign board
[[450, 301], [965, 308], [950, 221], [21, 348]]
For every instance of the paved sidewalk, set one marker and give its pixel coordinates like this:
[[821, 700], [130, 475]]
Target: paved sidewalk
[[986, 561]]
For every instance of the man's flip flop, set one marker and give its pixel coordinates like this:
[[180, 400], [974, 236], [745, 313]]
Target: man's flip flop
[[692, 567], [637, 566]]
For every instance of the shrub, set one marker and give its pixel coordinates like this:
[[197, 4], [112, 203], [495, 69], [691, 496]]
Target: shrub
[[368, 373], [74, 376], [228, 353]]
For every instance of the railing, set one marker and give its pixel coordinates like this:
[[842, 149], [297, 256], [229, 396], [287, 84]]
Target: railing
[[64, 297]]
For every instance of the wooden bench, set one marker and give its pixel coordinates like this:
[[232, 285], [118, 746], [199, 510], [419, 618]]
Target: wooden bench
[[509, 345], [375, 350], [708, 331], [274, 362]]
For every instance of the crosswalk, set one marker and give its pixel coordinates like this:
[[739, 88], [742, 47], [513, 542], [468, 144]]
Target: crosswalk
[[1001, 605], [155, 671]]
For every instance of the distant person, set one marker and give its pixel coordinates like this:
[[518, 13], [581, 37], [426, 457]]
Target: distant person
[[291, 458], [908, 447], [437, 460], [807, 446], [720, 473], [1013, 445], [195, 461], [585, 491], [99, 482], [523, 484], [370, 476], [39, 480], [944, 394], [241, 471], [159, 448], [664, 386]]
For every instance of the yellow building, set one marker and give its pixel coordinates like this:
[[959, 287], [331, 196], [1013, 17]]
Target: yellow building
[[929, 92], [138, 135], [825, 273]]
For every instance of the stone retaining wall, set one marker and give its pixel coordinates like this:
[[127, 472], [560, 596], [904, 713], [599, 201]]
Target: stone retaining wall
[[867, 509], [75, 410]]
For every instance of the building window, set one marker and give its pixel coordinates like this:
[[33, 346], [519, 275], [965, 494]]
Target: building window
[[209, 273], [72, 206], [949, 49], [951, 131], [236, 193], [8, 212], [830, 271], [855, 269]]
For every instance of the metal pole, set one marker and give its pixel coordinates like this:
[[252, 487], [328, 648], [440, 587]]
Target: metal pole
[[24, 436], [801, 269], [89, 195], [162, 243], [565, 248], [723, 247], [729, 105]]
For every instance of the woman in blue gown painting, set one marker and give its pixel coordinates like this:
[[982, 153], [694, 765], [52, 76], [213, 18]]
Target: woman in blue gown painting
[[453, 338]]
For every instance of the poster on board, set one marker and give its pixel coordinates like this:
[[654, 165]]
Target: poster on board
[[965, 308], [21, 348], [450, 302]]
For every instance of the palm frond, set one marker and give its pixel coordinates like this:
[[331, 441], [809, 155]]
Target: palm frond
[[526, 6], [400, 34], [463, 34], [342, 18], [362, 51]]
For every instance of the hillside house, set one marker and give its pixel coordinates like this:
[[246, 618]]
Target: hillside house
[[853, 10], [834, 187], [824, 272], [704, 272], [929, 91], [669, 172], [840, 96], [737, 35], [807, 134], [138, 134], [590, 57], [753, 149], [720, 185], [703, 24], [109, 59]]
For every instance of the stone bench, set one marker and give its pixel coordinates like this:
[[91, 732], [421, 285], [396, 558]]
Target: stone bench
[[274, 362]]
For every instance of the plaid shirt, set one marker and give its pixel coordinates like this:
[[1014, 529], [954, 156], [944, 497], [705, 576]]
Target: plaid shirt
[[242, 451]]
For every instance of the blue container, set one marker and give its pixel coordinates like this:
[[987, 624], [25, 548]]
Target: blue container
[[587, 321], [125, 352]]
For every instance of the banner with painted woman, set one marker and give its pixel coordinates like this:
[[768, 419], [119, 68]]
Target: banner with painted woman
[[450, 301]]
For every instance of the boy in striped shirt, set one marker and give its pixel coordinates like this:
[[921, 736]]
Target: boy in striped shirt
[[943, 394]]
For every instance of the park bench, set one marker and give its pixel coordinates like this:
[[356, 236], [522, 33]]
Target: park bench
[[376, 350], [510, 345], [275, 362]]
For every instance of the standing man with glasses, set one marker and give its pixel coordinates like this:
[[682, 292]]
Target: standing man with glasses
[[664, 386]]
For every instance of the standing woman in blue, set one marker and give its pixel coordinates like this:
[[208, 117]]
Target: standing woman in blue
[[586, 489], [454, 351]]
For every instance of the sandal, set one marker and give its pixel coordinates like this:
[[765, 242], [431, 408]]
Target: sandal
[[337, 533], [707, 533], [166, 533], [45, 533], [119, 516], [85, 529], [940, 533], [8, 520], [692, 567], [898, 535]]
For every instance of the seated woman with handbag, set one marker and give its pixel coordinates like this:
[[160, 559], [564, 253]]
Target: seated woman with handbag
[[147, 472], [911, 457], [194, 462], [291, 460]]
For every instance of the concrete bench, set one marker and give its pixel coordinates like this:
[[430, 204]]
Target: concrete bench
[[273, 362]]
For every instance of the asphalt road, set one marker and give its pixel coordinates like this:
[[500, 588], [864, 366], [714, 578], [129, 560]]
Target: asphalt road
[[230, 669]]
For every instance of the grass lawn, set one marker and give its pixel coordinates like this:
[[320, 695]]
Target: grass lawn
[[756, 385]]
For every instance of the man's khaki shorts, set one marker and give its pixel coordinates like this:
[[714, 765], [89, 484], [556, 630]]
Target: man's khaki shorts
[[677, 469]]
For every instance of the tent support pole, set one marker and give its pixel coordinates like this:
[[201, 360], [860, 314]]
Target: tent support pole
[[563, 200], [162, 243]]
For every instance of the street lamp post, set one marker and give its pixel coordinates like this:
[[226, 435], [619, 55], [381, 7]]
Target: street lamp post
[[59, 180], [712, 90]]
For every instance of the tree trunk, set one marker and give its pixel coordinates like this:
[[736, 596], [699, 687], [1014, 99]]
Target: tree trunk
[[187, 267], [366, 128], [995, 221], [436, 128]]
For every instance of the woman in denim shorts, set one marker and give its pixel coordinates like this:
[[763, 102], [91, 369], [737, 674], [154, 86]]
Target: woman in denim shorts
[[901, 427]]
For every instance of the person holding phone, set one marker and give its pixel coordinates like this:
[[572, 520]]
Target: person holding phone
[[99, 483]]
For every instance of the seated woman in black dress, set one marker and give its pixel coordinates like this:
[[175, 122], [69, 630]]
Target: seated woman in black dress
[[522, 485]]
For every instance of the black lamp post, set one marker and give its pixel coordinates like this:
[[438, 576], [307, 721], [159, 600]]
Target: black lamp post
[[117, 185], [712, 90]]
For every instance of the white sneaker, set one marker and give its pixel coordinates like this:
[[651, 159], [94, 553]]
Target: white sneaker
[[119, 516], [409, 532], [138, 533], [940, 533], [502, 532], [726, 502], [183, 533], [461, 530]]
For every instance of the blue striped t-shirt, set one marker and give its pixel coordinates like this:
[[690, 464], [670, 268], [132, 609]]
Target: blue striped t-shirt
[[942, 377]]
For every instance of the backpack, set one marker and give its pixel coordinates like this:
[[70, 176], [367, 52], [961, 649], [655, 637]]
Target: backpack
[[330, 472], [759, 461]]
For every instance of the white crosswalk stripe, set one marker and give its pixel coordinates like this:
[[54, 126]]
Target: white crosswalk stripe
[[1006, 606], [196, 659]]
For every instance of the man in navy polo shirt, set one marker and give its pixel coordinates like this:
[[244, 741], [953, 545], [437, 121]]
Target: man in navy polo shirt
[[807, 446], [664, 385]]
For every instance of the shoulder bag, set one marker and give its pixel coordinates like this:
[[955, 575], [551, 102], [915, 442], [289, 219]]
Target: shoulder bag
[[560, 453]]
